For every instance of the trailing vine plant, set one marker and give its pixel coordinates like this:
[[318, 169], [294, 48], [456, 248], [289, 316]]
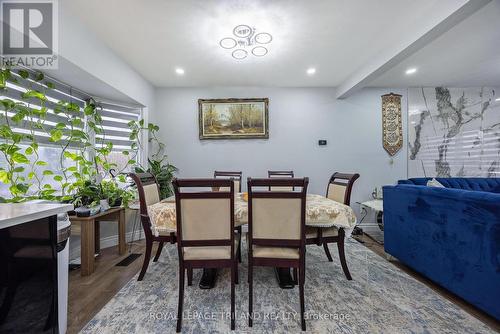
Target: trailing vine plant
[[81, 159]]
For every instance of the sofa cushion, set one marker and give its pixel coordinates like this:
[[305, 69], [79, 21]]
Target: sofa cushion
[[471, 183]]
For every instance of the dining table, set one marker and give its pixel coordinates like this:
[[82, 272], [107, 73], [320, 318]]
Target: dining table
[[321, 212]]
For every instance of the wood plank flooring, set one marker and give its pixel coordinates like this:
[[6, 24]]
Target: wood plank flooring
[[87, 295]]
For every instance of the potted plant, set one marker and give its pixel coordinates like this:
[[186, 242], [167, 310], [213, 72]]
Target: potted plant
[[86, 198], [114, 194]]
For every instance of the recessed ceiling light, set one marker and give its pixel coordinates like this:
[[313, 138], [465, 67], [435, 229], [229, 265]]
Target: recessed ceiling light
[[411, 70], [179, 71], [311, 71], [498, 99]]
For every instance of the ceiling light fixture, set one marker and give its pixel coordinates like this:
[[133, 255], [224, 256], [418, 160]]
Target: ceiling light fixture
[[179, 71], [498, 99], [245, 41], [311, 71], [411, 71]]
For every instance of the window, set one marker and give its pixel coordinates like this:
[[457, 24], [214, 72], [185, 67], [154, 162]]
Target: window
[[117, 131], [52, 119]]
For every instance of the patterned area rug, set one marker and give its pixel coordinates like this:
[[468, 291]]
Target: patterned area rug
[[380, 299]]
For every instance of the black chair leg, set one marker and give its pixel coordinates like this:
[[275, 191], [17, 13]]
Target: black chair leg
[[233, 278], [250, 294], [190, 276], [302, 276], [327, 252], [147, 257], [158, 251], [239, 244], [236, 272], [181, 298], [340, 246]]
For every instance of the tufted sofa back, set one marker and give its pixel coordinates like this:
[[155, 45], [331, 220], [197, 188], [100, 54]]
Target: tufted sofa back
[[472, 183]]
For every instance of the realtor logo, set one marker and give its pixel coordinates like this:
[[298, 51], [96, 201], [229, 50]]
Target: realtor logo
[[29, 33]]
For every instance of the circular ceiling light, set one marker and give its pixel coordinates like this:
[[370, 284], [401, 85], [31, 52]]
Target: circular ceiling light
[[227, 43], [179, 71], [242, 31], [311, 71], [259, 51], [239, 54], [263, 38], [411, 71]]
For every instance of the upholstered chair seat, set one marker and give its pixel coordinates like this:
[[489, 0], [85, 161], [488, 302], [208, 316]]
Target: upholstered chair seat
[[275, 252], [206, 232], [339, 190], [210, 252], [149, 194], [312, 232], [276, 229]]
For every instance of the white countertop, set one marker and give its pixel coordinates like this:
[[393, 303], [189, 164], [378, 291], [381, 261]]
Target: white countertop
[[18, 213]]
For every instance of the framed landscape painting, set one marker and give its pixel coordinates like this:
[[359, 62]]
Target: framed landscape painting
[[233, 118]]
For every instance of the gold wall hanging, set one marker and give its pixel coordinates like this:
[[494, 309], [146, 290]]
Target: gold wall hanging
[[392, 128]]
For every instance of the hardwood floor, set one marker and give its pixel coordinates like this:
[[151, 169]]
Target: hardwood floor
[[87, 295]]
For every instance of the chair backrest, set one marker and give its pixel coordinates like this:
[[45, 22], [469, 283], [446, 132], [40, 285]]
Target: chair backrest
[[236, 176], [204, 218], [280, 174], [340, 187], [148, 189], [277, 218]]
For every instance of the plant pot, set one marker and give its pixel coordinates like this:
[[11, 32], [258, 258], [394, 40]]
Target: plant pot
[[104, 204], [115, 203]]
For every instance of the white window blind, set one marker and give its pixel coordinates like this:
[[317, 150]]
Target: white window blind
[[58, 97]]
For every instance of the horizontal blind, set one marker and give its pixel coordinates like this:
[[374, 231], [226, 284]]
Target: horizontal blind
[[115, 120], [56, 95]]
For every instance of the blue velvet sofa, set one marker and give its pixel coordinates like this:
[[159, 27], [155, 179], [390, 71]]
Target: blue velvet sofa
[[450, 235]]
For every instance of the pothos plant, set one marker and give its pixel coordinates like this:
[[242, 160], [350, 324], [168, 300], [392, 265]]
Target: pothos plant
[[81, 163], [158, 164]]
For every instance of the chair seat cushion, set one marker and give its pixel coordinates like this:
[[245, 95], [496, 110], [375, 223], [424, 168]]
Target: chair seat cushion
[[209, 252], [275, 252], [312, 232]]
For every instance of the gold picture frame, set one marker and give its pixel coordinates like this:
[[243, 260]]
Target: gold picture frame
[[233, 118]]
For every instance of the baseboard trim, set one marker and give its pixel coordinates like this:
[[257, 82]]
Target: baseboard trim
[[109, 241]]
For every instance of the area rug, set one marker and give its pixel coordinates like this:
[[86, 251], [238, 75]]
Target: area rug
[[380, 299]]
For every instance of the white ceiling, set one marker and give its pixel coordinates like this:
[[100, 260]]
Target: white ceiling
[[337, 37], [467, 55]]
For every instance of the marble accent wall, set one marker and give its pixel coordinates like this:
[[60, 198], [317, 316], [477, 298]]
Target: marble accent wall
[[453, 132]]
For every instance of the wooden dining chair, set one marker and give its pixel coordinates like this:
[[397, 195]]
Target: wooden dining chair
[[237, 177], [339, 189], [276, 231], [149, 194], [280, 174], [205, 232]]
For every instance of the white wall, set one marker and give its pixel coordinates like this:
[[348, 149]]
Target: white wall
[[298, 117], [90, 65]]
